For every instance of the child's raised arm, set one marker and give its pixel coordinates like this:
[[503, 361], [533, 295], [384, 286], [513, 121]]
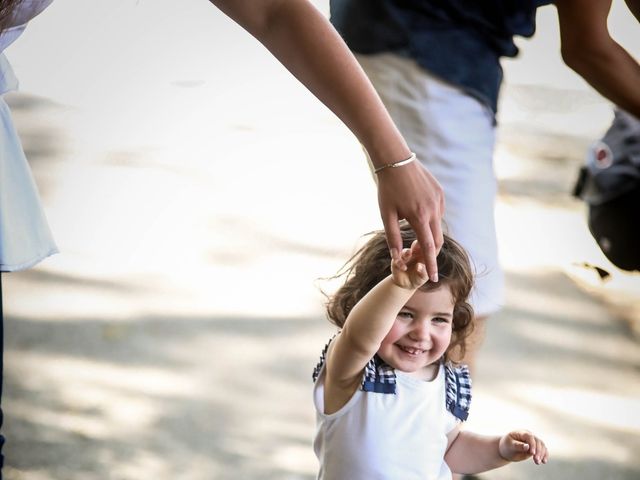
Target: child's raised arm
[[370, 320], [471, 453]]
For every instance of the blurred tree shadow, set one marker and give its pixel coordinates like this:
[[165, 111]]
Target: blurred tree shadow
[[232, 428]]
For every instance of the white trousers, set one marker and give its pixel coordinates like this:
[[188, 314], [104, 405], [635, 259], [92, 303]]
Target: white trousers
[[453, 135]]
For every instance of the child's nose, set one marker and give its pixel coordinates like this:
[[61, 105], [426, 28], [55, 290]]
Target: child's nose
[[421, 330]]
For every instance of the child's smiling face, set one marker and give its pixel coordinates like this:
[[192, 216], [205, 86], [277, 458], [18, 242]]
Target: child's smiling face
[[420, 334]]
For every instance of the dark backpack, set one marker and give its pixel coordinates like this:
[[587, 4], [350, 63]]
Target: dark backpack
[[609, 183]]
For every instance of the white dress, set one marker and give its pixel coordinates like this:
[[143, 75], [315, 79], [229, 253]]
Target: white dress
[[25, 238]]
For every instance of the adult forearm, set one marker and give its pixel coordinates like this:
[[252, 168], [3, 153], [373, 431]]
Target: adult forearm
[[304, 41], [587, 47], [612, 72]]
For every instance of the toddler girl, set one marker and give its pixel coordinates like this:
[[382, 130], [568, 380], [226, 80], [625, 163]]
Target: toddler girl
[[389, 398]]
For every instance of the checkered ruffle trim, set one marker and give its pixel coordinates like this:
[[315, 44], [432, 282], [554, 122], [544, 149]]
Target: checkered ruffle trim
[[458, 388]]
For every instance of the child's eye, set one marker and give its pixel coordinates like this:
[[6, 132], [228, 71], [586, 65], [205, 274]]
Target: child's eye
[[407, 315], [440, 320]]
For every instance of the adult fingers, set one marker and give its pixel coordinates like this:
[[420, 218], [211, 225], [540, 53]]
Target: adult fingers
[[427, 245], [436, 222], [394, 239], [411, 192], [436, 231]]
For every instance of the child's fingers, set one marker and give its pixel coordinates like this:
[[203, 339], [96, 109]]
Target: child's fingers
[[410, 260], [405, 257], [522, 444], [415, 249], [521, 447], [541, 454], [545, 457], [401, 261], [400, 265], [512, 449], [529, 438], [423, 275], [416, 253], [537, 450]]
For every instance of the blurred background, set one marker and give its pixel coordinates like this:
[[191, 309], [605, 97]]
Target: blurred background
[[198, 194]]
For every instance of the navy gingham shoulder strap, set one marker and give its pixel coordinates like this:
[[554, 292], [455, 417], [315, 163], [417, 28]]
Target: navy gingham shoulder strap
[[378, 377], [458, 388]]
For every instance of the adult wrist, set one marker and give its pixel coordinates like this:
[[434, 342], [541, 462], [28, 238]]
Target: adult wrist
[[379, 155], [400, 163]]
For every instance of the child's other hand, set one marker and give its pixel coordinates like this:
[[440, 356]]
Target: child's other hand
[[409, 271], [521, 444]]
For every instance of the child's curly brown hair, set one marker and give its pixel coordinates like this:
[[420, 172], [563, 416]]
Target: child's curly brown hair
[[372, 263]]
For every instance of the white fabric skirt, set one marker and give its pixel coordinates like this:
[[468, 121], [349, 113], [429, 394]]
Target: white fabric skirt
[[453, 135]]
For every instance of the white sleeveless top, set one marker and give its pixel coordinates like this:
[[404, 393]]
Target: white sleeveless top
[[401, 436], [25, 238]]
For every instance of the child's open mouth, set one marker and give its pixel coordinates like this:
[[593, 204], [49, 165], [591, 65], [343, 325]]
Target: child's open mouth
[[411, 350]]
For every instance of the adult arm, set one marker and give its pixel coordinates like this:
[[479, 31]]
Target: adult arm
[[588, 49], [304, 41]]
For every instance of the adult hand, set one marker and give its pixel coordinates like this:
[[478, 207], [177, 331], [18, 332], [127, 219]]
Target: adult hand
[[410, 192]]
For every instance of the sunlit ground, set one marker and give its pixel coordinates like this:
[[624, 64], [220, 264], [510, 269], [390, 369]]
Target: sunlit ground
[[198, 194]]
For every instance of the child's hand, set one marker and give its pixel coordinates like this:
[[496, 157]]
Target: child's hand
[[409, 271], [520, 445]]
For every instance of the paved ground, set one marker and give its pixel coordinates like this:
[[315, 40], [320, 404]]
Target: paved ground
[[196, 208]]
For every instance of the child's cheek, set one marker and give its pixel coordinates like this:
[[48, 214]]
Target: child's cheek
[[445, 338], [396, 332]]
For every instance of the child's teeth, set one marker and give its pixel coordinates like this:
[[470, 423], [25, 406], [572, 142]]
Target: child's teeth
[[413, 351]]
